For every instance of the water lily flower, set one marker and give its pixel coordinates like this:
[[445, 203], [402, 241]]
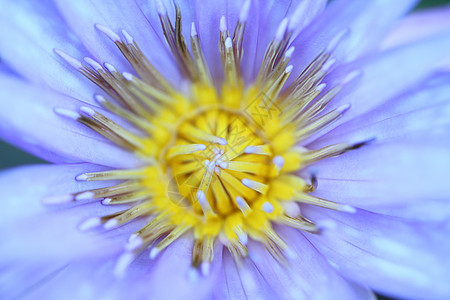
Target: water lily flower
[[225, 149]]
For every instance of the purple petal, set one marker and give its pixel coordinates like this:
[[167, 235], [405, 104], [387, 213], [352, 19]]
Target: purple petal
[[401, 259], [408, 163], [388, 177], [419, 25], [386, 76], [242, 282], [308, 271], [34, 29], [83, 15], [85, 279], [24, 187], [421, 112], [173, 269], [30, 123], [366, 21], [263, 21], [31, 232]]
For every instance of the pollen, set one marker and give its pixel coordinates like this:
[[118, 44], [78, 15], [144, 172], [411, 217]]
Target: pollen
[[222, 160]]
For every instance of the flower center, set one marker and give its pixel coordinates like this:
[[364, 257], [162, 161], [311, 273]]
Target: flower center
[[219, 163], [222, 161]]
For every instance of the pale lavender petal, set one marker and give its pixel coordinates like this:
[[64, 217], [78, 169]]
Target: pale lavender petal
[[394, 257], [418, 25], [308, 270], [243, 282], [405, 164], [424, 111], [379, 81], [263, 21], [31, 232], [80, 279], [388, 176], [31, 123], [34, 29], [173, 269], [359, 18], [25, 187], [83, 15]]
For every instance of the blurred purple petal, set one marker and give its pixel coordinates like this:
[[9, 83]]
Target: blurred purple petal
[[173, 276], [308, 270], [34, 29], [394, 257], [359, 18], [31, 123], [117, 15]]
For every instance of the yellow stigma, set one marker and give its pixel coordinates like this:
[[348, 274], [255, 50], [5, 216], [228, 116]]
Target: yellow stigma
[[222, 161]]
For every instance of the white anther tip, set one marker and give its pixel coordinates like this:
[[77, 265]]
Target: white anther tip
[[69, 59], [127, 76], [127, 36], [281, 29], [222, 141], [337, 39], [267, 207], [95, 65], [327, 66], [160, 7], [348, 208], [58, 199], [278, 161], [132, 237], [350, 77], [205, 267], [247, 182], [249, 149], [134, 244], [224, 165], [154, 253], [201, 147], [106, 201], [89, 224], [193, 30], [290, 254], [240, 201], [88, 111], [85, 196], [321, 87], [100, 99], [110, 68], [201, 196], [67, 113], [342, 109], [289, 69], [228, 43], [110, 224], [122, 263], [289, 52], [223, 24], [244, 11], [82, 177], [108, 31], [326, 224], [193, 275], [243, 238]]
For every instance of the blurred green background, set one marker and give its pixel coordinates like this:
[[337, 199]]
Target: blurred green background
[[11, 156]]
